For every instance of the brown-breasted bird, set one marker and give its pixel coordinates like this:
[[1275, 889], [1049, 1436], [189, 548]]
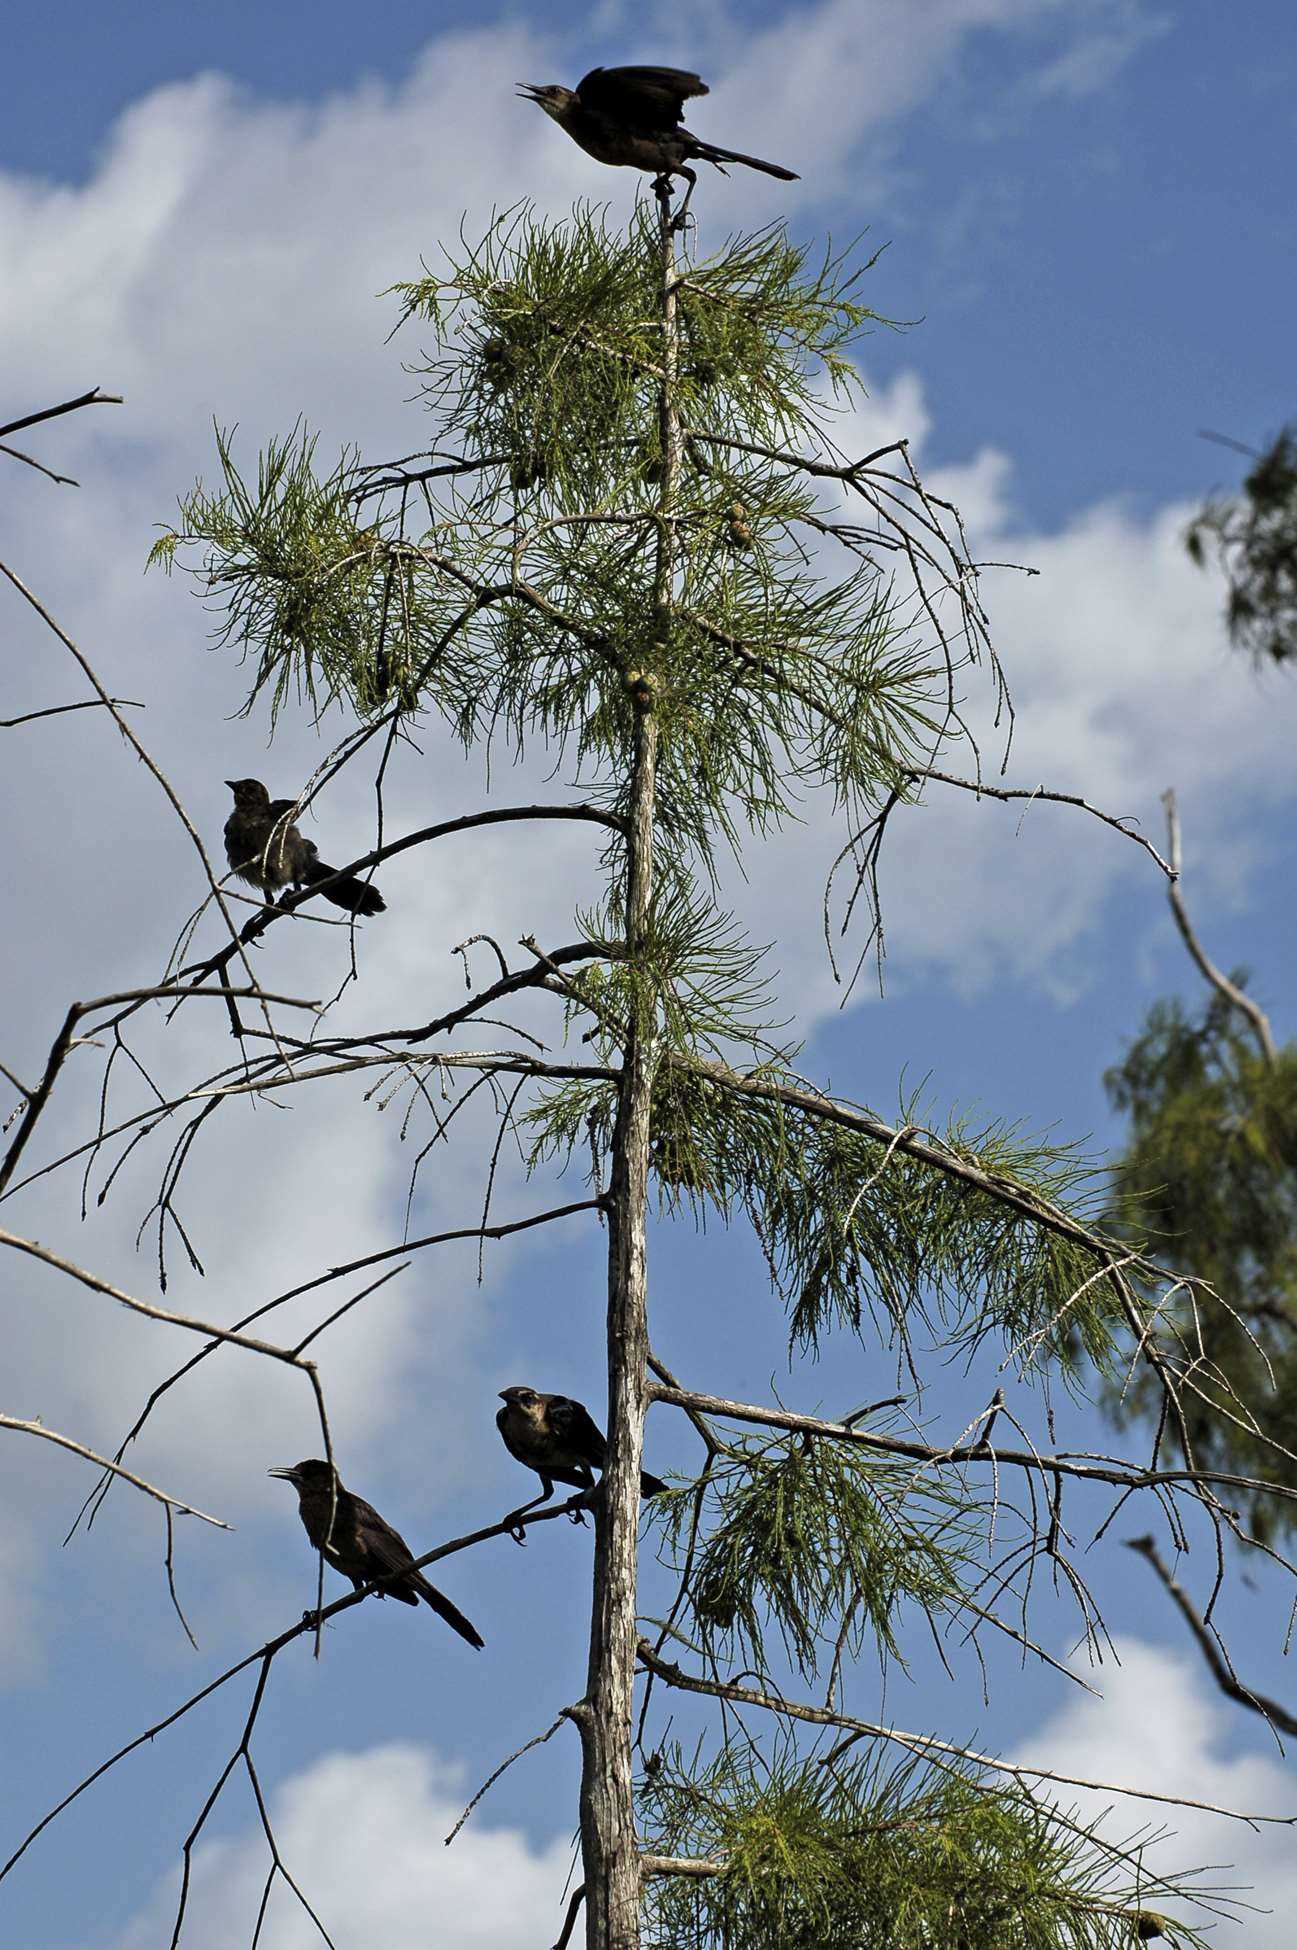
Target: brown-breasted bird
[[631, 117], [264, 847], [556, 1437], [362, 1545]]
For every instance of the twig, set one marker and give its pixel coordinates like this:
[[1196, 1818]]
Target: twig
[[171, 1577], [537, 1740], [114, 1468], [983, 791], [502, 1231], [1280, 1717], [86, 704], [93, 398], [145, 758], [1256, 1016], [30, 460]]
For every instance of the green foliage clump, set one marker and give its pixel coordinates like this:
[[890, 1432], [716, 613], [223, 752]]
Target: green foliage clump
[[326, 602], [823, 1540], [853, 1857], [1210, 1176], [1255, 540], [518, 579]]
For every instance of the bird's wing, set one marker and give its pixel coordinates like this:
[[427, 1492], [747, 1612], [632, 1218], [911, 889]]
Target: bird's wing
[[574, 1430], [643, 98], [506, 1432], [385, 1546]]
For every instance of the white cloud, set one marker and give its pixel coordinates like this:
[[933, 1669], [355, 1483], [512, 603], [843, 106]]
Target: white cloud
[[1101, 48], [1159, 1726], [362, 1835]]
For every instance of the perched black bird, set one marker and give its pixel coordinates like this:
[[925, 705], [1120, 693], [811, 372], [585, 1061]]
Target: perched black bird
[[557, 1438], [263, 847], [361, 1545], [631, 117]]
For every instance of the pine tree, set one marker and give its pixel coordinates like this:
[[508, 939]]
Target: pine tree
[[632, 539]]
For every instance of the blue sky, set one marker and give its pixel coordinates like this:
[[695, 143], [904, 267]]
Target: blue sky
[[1088, 208]]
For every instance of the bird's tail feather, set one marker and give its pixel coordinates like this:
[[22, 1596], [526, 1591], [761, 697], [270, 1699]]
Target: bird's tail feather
[[357, 896], [453, 1616], [650, 1485], [710, 153]]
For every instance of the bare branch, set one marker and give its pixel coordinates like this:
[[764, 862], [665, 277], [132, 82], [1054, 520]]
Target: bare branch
[[569, 1921], [93, 398], [1210, 1645], [86, 704], [166, 1315], [980, 790], [123, 725], [928, 1744], [1256, 1016], [498, 816], [681, 1865], [30, 460], [115, 1468], [1087, 1468], [537, 1740]]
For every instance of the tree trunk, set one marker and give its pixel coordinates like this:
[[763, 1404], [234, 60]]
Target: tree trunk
[[609, 1848]]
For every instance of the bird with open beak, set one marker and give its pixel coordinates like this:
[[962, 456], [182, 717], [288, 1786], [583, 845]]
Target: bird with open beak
[[631, 118]]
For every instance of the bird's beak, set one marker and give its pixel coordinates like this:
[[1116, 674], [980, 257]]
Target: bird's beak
[[530, 91], [230, 783], [504, 1394], [289, 1475]]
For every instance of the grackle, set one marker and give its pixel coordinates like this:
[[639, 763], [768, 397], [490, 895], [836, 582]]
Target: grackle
[[631, 117], [263, 847], [362, 1545], [557, 1438]]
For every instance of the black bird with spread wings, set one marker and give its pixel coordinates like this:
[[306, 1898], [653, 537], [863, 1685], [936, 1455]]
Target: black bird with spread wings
[[631, 118], [556, 1437], [363, 1545]]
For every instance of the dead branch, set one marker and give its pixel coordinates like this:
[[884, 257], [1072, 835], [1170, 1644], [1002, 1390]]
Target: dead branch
[[1088, 1469], [924, 1744], [57, 710], [114, 1468], [1210, 1644], [93, 398], [1256, 1016]]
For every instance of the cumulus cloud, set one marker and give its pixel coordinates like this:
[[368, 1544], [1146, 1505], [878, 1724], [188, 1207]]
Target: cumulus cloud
[[362, 1835], [1122, 685], [1159, 1725]]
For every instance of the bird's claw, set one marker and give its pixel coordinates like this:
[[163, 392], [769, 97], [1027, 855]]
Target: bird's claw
[[517, 1529]]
